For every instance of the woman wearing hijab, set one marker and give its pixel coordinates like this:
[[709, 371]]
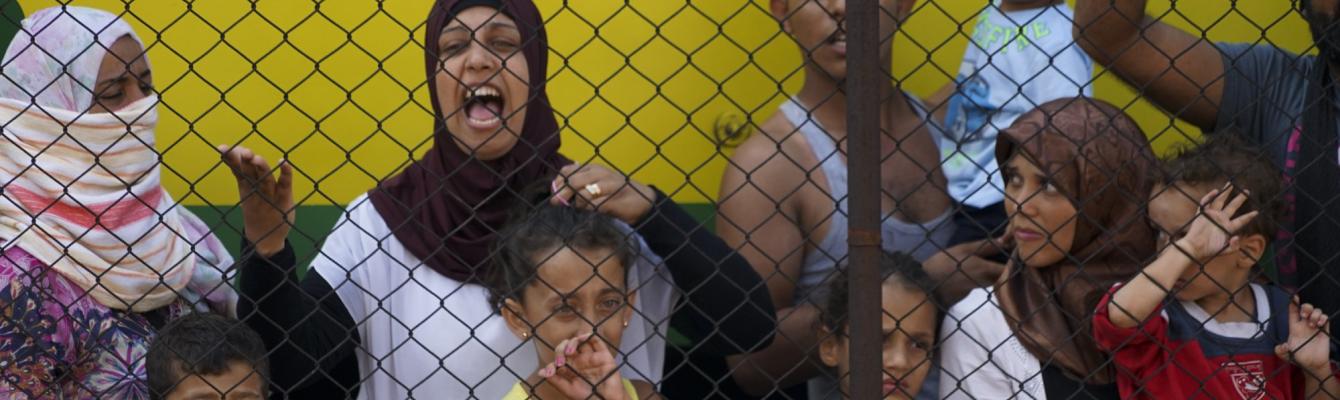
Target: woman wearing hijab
[[97, 255], [1075, 173], [392, 306]]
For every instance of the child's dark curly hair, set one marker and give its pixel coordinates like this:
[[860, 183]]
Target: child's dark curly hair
[[536, 230], [202, 344], [898, 268], [1223, 158]]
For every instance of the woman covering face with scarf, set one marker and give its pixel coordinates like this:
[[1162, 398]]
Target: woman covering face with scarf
[[97, 255], [394, 303], [1075, 171]]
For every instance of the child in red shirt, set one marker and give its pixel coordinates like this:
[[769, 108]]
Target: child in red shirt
[[1193, 324]]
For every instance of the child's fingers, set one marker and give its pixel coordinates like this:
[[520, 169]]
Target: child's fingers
[[575, 346], [570, 346], [1241, 221], [583, 343], [1282, 351], [594, 345], [1209, 198], [1219, 199], [561, 353], [585, 354], [1236, 203], [584, 362], [598, 345]]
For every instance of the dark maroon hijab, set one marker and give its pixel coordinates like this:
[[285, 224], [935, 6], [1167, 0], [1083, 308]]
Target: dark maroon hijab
[[446, 207]]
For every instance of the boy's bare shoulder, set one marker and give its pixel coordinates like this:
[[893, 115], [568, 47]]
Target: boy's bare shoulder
[[776, 146]]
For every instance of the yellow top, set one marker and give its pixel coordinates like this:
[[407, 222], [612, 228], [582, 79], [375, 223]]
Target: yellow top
[[519, 391]]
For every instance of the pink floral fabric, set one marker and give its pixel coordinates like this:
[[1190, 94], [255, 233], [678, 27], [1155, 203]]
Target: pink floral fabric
[[57, 342]]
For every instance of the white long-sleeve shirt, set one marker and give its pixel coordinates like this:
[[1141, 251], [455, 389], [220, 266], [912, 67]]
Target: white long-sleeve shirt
[[428, 336], [980, 358]]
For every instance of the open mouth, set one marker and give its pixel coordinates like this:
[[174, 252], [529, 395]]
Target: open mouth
[[483, 107], [840, 36], [838, 40]]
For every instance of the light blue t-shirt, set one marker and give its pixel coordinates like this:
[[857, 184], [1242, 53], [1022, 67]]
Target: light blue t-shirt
[[1014, 62]]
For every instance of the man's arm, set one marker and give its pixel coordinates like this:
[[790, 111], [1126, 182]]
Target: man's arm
[[1179, 72]]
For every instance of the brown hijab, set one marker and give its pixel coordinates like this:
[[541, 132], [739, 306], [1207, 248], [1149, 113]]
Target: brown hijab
[[1102, 161]]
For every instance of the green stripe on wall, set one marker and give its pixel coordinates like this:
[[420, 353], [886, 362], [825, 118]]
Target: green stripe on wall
[[11, 17], [315, 222]]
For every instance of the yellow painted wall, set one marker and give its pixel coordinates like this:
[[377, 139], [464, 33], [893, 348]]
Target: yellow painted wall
[[341, 91]]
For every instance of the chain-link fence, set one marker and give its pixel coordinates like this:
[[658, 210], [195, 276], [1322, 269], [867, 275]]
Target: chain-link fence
[[785, 199]]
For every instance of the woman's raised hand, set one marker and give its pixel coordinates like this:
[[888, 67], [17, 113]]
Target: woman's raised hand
[[598, 188], [267, 201]]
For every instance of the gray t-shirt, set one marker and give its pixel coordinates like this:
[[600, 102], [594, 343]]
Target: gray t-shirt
[[1265, 89]]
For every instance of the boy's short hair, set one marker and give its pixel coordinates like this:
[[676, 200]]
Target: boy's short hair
[[1224, 158], [202, 344]]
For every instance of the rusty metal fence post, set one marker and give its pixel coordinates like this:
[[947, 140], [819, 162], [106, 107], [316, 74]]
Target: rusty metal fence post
[[864, 80]]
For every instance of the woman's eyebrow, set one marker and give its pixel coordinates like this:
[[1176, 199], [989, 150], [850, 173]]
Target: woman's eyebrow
[[489, 25]]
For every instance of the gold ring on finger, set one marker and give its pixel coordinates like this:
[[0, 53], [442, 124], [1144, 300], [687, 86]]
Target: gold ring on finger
[[594, 189]]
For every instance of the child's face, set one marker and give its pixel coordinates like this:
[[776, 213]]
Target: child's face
[[909, 335], [239, 382], [1171, 210], [570, 298]]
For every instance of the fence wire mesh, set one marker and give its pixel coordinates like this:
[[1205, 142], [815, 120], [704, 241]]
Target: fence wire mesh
[[784, 199]]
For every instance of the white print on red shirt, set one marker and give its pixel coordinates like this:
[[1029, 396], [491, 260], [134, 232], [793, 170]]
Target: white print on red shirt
[[1248, 377]]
